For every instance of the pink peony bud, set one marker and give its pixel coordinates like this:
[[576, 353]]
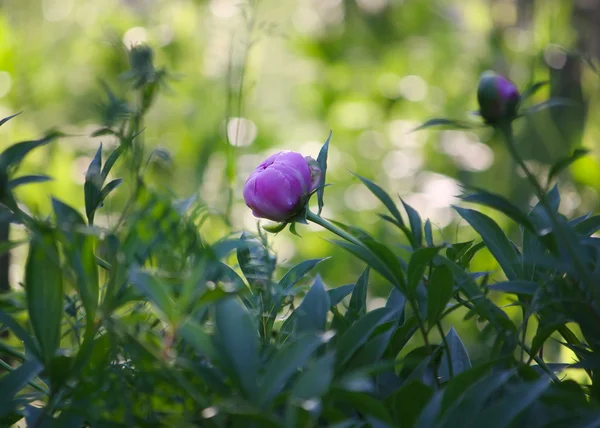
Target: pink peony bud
[[281, 185], [498, 98]]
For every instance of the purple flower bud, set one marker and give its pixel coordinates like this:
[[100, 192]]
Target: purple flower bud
[[281, 185], [498, 98]]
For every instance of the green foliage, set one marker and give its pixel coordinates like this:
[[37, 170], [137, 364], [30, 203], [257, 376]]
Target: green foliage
[[143, 321]]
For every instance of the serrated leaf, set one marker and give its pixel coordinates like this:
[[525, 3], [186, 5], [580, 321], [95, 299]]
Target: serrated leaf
[[442, 122], [322, 161], [384, 198], [565, 162], [28, 179], [439, 293], [418, 263], [238, 338], [495, 240], [44, 292]]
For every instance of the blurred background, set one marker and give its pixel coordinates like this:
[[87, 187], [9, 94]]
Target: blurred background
[[287, 72]]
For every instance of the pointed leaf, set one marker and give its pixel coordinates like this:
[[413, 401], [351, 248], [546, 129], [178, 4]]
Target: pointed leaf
[[155, 291], [109, 188], [495, 239], [532, 89], [298, 272], [445, 123], [110, 162], [336, 295], [458, 356], [322, 161], [358, 301], [384, 198], [550, 103], [419, 261], [565, 162], [6, 119], [239, 339], [415, 224], [289, 359], [13, 155], [314, 382], [311, 315], [14, 382], [93, 185], [499, 203], [439, 293], [44, 292], [522, 287], [28, 179]]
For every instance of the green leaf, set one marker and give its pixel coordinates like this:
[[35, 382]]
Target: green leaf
[[445, 123], [359, 333], [358, 301], [458, 356], [156, 291], [322, 161], [364, 404], [44, 292], [565, 162], [254, 259], [419, 261], [20, 333], [287, 361], [495, 239], [107, 189], [79, 249], [13, 155], [311, 315], [521, 287], [15, 381], [415, 393], [102, 131], [503, 412], [499, 203], [315, 381], [549, 103], [439, 293], [93, 185], [28, 179], [428, 233], [238, 338], [6, 119], [416, 224], [201, 341], [396, 300], [298, 272], [336, 295], [589, 226], [384, 198], [110, 162], [532, 89]]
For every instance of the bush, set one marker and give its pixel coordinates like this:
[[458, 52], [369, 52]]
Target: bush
[[145, 323]]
